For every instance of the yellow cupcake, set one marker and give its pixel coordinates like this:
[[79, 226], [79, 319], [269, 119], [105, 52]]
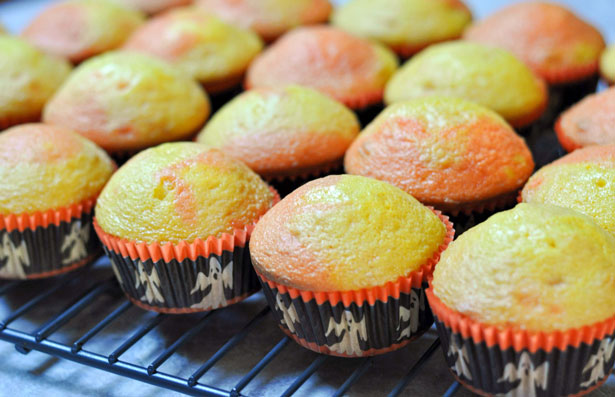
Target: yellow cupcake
[[535, 267], [127, 101], [282, 131], [28, 78], [79, 29], [179, 192], [406, 26], [607, 64], [489, 76], [583, 180], [153, 6], [44, 167], [345, 232], [213, 52]]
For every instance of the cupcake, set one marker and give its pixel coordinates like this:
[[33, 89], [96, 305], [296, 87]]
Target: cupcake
[[555, 43], [405, 26], [589, 122], [434, 148], [344, 261], [80, 29], [524, 303], [126, 102], [175, 221], [583, 180], [153, 6], [28, 78], [213, 52], [487, 75], [607, 65], [269, 18], [283, 133], [49, 180], [347, 68]]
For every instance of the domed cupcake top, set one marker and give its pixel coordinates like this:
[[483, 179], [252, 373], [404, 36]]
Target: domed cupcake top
[[535, 267], [153, 6], [607, 64], [583, 180], [552, 40], [128, 101], [282, 130], [347, 68], [28, 78], [489, 76], [180, 192], [79, 29], [406, 26], [201, 45], [345, 232], [589, 122], [436, 147], [269, 18], [43, 167]]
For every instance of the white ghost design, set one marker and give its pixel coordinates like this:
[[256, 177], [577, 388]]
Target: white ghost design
[[289, 314], [529, 377], [151, 282], [75, 242], [461, 361], [218, 279], [16, 258], [417, 303], [351, 331], [597, 362]]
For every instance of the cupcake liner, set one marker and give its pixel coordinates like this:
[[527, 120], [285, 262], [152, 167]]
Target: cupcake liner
[[44, 244], [357, 323], [367, 114], [184, 277], [510, 362]]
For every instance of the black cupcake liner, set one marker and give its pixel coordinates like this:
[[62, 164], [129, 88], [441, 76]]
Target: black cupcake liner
[[50, 250], [351, 330], [186, 286]]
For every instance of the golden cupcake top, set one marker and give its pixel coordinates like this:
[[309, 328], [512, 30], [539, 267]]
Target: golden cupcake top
[[607, 64], [153, 6], [589, 122], [28, 78], [436, 147], [43, 167], [79, 29], [583, 180], [487, 75], [345, 232], [211, 51], [128, 101], [552, 40], [269, 18], [406, 26], [350, 69], [535, 267], [283, 130], [180, 192]]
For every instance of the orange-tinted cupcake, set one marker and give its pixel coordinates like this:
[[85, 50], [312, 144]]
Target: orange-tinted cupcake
[[79, 29], [213, 52], [269, 18], [153, 6], [589, 122], [436, 148], [347, 68]]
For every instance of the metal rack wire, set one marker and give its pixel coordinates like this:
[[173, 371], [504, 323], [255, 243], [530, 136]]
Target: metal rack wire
[[41, 340]]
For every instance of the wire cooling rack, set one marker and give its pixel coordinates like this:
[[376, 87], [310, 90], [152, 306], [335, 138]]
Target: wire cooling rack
[[99, 301]]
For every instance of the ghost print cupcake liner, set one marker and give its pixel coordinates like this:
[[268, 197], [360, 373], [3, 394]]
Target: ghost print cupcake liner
[[44, 244], [185, 277], [516, 363]]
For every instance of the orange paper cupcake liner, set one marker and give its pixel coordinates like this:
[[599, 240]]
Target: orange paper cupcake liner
[[491, 359], [357, 323], [47, 243]]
